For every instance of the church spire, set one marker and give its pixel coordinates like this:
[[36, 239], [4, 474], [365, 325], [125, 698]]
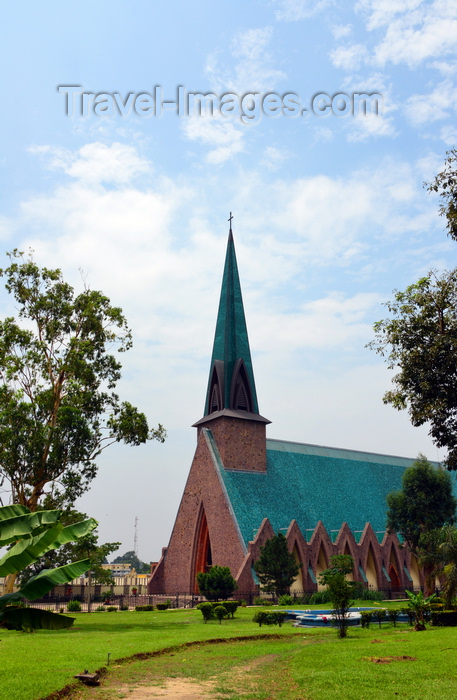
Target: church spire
[[231, 382]]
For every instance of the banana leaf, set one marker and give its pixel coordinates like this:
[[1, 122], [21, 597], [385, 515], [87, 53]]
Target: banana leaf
[[33, 619], [25, 525], [43, 582], [27, 551]]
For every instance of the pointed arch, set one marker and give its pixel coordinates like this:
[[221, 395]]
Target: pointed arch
[[370, 568], [240, 389], [394, 570], [202, 549], [298, 583], [321, 565], [216, 388], [347, 551]]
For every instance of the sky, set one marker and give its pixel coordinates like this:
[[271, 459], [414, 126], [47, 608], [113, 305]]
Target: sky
[[132, 196]]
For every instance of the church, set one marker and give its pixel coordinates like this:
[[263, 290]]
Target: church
[[243, 487]]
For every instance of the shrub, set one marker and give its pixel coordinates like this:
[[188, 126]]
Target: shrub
[[123, 607], [263, 617], [74, 606], [163, 606], [444, 618], [285, 599], [262, 601], [410, 613], [366, 618], [231, 606], [393, 616], [206, 610], [217, 583], [379, 615], [111, 608], [320, 597], [100, 608], [362, 593], [220, 611], [144, 608]]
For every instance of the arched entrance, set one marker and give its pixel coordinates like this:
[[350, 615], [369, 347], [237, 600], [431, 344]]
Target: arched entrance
[[370, 569], [321, 566], [203, 556]]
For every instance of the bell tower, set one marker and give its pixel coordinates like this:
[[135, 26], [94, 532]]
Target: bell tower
[[231, 408]]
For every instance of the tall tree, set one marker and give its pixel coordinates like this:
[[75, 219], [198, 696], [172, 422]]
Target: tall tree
[[424, 503], [58, 407], [445, 184], [438, 554], [420, 339], [217, 583], [276, 567], [340, 589]]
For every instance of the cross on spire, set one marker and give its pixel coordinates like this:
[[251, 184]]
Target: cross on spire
[[230, 220]]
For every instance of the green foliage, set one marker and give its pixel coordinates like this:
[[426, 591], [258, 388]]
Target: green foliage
[[419, 339], [380, 615], [100, 608], [419, 605], [393, 615], [444, 618], [111, 608], [366, 617], [264, 617], [123, 607], [34, 535], [361, 592], [340, 590], [58, 409], [206, 610], [276, 567], [220, 611], [74, 606], [163, 606], [445, 184], [217, 583], [410, 613], [438, 556], [263, 601], [131, 558], [231, 606], [320, 597], [424, 503], [285, 599], [144, 608]]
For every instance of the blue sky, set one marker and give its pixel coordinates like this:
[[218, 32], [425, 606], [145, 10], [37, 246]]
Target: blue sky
[[330, 213]]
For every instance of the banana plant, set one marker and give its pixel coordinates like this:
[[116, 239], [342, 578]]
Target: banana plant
[[29, 536]]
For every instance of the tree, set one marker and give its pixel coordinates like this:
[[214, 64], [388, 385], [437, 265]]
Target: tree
[[419, 605], [424, 503], [131, 558], [217, 583], [32, 535], [420, 339], [276, 567], [340, 589], [438, 553], [58, 407], [445, 184]]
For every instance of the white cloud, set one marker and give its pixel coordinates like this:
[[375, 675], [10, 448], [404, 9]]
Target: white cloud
[[423, 109], [254, 69], [341, 30], [216, 131], [415, 30], [296, 10], [97, 163], [349, 57], [273, 158]]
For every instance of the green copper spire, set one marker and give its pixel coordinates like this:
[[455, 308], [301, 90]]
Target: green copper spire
[[231, 382]]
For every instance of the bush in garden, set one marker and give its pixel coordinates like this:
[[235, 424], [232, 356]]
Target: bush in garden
[[263, 617], [206, 610], [144, 608], [74, 606], [380, 615], [163, 606], [285, 599], [393, 616], [231, 606], [220, 611], [366, 617]]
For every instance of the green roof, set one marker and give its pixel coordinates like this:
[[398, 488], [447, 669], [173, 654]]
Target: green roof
[[309, 483], [231, 341]]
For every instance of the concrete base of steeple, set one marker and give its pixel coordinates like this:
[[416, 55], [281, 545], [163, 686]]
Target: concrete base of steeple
[[241, 440]]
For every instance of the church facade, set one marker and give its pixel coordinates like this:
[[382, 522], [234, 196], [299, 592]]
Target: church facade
[[243, 487]]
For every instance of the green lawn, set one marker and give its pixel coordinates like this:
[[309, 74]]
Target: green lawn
[[302, 663]]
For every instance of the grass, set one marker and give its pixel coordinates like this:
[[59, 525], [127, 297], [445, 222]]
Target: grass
[[301, 663]]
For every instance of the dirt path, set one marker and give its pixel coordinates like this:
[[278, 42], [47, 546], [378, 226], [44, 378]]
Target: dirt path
[[174, 689]]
